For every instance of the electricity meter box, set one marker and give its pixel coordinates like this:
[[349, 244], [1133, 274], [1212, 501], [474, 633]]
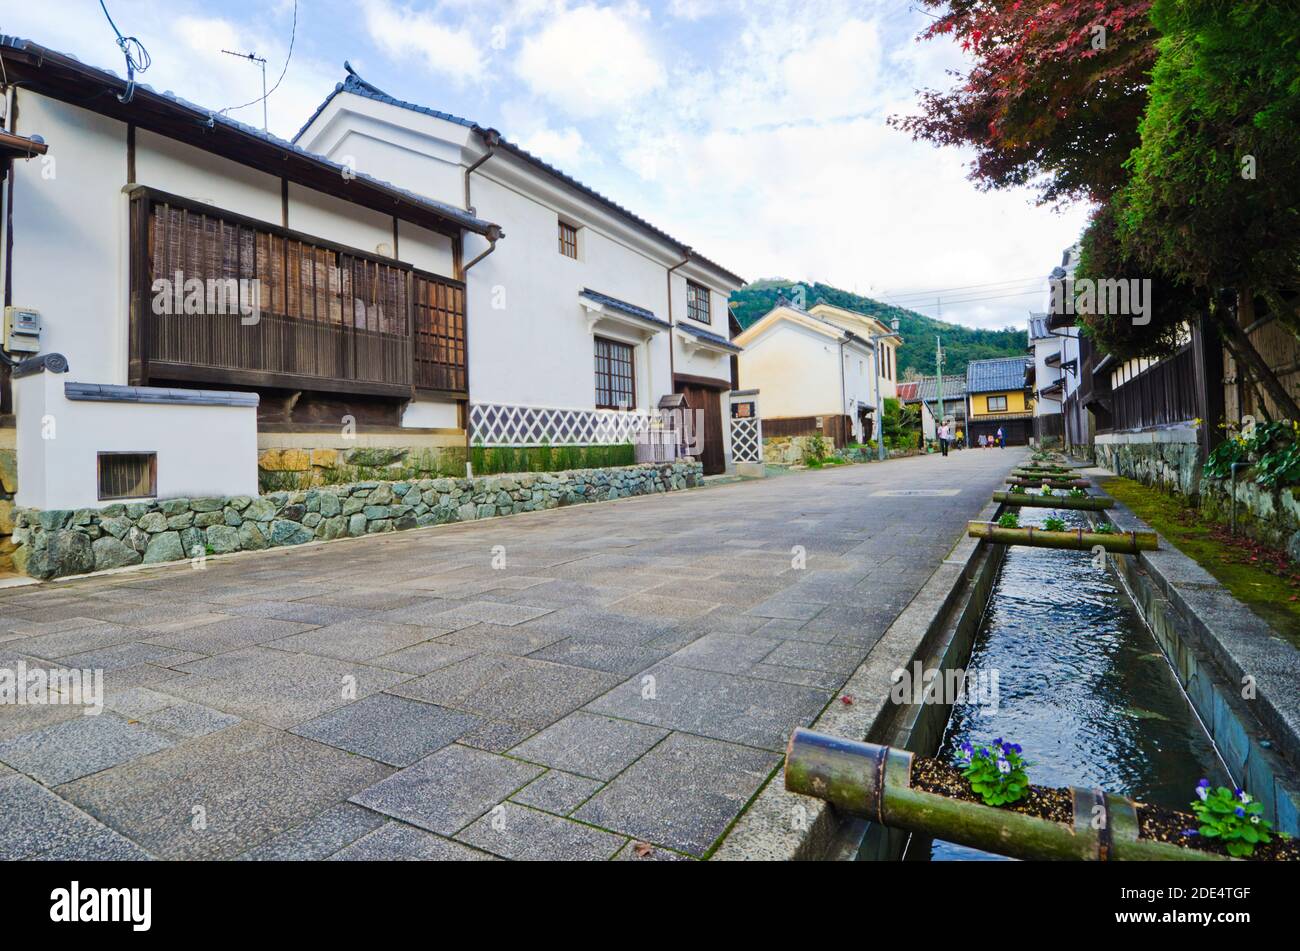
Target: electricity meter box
[[22, 330]]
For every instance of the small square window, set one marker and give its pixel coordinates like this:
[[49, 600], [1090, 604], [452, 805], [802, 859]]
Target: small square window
[[697, 302], [568, 240], [128, 475]]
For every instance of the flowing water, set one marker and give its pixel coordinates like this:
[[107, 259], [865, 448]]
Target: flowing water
[[1082, 686]]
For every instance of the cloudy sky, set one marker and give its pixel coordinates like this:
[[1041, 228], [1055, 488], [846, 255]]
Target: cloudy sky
[[753, 130]]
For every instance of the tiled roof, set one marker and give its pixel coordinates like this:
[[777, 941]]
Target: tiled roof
[[996, 375], [708, 335], [624, 307], [1038, 327], [907, 391], [954, 387], [203, 116], [355, 84]]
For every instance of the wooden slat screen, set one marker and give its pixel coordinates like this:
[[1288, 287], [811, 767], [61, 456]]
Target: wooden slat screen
[[324, 313], [439, 316], [1163, 394]]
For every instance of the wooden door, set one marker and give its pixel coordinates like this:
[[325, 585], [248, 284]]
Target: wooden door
[[710, 403]]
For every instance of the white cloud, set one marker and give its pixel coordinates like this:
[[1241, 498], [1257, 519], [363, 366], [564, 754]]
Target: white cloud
[[564, 147], [590, 61], [406, 33]]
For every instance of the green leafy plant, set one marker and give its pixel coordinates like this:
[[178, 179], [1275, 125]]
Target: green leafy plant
[[1046, 491], [1231, 817], [1009, 520], [1017, 490], [1272, 450], [1078, 493], [1054, 523], [1104, 528], [816, 449], [997, 773]]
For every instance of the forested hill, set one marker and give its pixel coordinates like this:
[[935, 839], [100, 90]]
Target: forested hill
[[961, 344]]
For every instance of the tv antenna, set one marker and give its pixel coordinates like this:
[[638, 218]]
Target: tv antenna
[[260, 61]]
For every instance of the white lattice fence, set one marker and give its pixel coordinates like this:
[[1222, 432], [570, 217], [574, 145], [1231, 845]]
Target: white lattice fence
[[496, 424], [745, 442]]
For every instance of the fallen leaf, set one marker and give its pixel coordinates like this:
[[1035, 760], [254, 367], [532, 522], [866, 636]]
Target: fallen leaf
[[642, 849], [846, 700]]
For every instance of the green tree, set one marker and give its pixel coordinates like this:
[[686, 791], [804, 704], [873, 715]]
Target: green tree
[[1213, 198]]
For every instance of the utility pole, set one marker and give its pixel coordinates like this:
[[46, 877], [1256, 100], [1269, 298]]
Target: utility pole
[[260, 61], [938, 370]]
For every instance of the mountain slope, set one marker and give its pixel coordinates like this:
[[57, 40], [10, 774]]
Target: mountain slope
[[960, 344]]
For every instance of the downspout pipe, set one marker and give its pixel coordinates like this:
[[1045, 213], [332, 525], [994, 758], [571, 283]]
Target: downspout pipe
[[672, 363], [491, 138], [875, 783]]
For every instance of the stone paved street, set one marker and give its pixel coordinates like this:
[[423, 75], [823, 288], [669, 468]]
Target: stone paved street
[[631, 674]]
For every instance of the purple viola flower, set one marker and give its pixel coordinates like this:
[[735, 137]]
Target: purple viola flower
[[1241, 813]]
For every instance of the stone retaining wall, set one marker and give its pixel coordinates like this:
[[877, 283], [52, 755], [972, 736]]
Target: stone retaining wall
[[52, 544], [284, 469], [1174, 465]]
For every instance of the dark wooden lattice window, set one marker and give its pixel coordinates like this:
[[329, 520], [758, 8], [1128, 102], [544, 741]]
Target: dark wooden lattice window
[[615, 375], [128, 475], [568, 240], [697, 302], [439, 314], [322, 312]]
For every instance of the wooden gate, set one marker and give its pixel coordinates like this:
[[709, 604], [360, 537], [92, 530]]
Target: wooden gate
[[708, 401]]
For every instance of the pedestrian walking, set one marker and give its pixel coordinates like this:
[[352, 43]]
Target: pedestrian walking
[[1002, 439], [943, 439]]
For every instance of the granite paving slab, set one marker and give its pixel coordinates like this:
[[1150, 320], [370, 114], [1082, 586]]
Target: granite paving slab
[[595, 746], [517, 832], [681, 794], [515, 689], [759, 713], [79, 746], [398, 842], [449, 789], [390, 729], [557, 792]]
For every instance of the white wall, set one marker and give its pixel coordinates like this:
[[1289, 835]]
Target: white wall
[[796, 370], [431, 414], [202, 450], [70, 226]]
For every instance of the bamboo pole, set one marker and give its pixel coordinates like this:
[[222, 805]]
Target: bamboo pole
[[1049, 473], [1092, 503], [1128, 543], [1053, 483], [875, 782]]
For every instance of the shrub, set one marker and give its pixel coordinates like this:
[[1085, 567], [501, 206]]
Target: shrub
[[1232, 818], [996, 772]]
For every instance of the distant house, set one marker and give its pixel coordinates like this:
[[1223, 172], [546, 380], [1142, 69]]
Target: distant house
[[1046, 379], [815, 375], [925, 392], [907, 395], [998, 398]]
